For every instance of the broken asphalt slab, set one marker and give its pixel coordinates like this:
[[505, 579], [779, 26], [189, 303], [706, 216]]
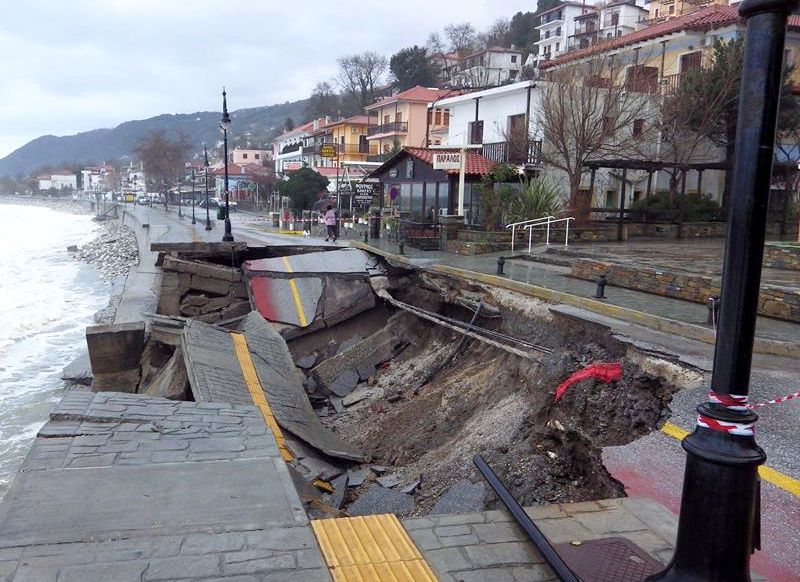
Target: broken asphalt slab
[[339, 262]]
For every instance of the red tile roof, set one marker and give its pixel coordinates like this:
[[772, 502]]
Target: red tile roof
[[707, 18], [418, 93], [476, 163]]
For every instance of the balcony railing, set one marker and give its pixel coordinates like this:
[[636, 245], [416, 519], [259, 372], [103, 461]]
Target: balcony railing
[[394, 127], [503, 152], [378, 157], [343, 149]]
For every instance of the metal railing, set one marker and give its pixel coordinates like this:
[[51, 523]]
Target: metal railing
[[513, 226], [530, 228], [502, 152], [394, 127]]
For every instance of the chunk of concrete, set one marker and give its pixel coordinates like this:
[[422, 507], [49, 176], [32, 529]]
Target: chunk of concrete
[[356, 477], [114, 353], [216, 286], [307, 362], [202, 269], [376, 500], [344, 383], [79, 371], [336, 499], [463, 497], [411, 487], [389, 481], [172, 381]]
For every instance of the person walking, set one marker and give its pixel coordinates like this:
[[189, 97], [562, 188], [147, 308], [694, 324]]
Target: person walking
[[330, 223]]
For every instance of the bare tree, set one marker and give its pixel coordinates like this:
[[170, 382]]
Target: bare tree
[[359, 75], [463, 38], [323, 101], [586, 114], [498, 34], [163, 159]]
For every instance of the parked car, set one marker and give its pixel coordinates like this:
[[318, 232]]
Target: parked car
[[214, 203], [143, 199]]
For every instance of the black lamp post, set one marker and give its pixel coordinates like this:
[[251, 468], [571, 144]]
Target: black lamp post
[[194, 190], [205, 175], [225, 125], [180, 197], [719, 524]]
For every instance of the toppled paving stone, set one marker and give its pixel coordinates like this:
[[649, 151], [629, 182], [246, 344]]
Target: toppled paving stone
[[356, 477], [365, 372], [357, 396], [411, 487], [344, 384], [379, 468], [377, 499], [337, 404], [463, 497], [336, 499], [79, 371], [349, 343], [307, 362], [389, 481]]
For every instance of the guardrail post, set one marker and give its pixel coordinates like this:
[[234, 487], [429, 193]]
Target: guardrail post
[[566, 236], [600, 292], [500, 262]]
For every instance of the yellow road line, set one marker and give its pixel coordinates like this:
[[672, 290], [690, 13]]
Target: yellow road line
[[298, 303], [766, 473], [257, 392], [370, 548]]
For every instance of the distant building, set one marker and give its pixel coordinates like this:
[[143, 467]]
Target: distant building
[[405, 119], [489, 67], [287, 149], [557, 26], [98, 178], [247, 156], [661, 10], [58, 181], [242, 180], [347, 137]]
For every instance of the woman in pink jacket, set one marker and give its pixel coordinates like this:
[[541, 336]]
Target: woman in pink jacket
[[330, 223]]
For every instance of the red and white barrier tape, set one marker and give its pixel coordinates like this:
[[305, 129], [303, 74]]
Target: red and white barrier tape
[[738, 428], [736, 402]]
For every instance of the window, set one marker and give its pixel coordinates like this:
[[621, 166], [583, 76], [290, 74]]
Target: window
[[258, 156], [398, 117], [475, 132], [619, 33], [558, 46], [513, 58], [386, 120], [437, 118], [656, 12], [446, 117], [672, 9], [558, 31], [638, 127], [244, 156], [691, 61]]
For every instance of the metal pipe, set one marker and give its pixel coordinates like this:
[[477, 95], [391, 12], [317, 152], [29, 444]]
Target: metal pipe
[[559, 567], [719, 521], [547, 238], [620, 229]]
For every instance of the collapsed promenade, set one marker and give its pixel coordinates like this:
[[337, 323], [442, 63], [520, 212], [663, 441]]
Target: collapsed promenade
[[130, 486]]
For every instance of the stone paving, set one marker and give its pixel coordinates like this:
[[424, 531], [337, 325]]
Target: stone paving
[[124, 487]]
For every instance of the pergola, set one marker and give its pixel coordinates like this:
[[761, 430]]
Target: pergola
[[651, 167]]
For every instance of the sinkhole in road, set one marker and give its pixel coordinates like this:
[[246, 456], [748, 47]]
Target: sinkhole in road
[[421, 404]]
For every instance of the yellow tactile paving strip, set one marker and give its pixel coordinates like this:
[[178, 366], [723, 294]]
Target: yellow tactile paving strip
[[373, 548], [257, 392], [298, 303]]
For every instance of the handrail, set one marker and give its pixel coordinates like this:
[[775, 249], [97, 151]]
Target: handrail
[[514, 226], [530, 228]]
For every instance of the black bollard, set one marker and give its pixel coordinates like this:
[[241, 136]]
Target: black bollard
[[713, 310], [401, 246], [366, 236], [719, 520], [500, 262], [600, 292]]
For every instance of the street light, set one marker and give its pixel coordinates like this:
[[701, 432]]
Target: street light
[[193, 196], [225, 125], [205, 175]]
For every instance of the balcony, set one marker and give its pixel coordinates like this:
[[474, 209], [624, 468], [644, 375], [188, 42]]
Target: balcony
[[394, 127], [503, 152]]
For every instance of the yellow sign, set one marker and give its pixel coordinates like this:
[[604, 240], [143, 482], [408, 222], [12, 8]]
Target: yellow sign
[[328, 150]]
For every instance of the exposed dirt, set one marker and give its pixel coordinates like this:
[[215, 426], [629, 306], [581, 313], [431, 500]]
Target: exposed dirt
[[501, 406]]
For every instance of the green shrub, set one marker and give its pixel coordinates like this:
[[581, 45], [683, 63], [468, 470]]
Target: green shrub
[[697, 207]]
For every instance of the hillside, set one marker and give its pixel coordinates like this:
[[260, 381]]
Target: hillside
[[250, 127]]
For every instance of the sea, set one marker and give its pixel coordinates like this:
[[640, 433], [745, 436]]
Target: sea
[[47, 298]]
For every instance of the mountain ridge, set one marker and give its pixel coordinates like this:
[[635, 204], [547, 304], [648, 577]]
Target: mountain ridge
[[253, 126]]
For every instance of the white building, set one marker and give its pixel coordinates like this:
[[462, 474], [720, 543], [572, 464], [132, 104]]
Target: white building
[[490, 67], [621, 17], [97, 178], [501, 119], [249, 156], [557, 26], [288, 152], [58, 181]]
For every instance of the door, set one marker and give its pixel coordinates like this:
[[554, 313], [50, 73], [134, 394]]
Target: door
[[517, 139]]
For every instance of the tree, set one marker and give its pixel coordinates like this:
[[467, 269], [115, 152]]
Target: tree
[[584, 114], [438, 55], [463, 38], [163, 159], [498, 34], [304, 188], [522, 31], [410, 67], [323, 101], [359, 75], [288, 125]]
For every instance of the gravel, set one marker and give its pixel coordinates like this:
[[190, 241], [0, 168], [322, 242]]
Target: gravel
[[112, 252]]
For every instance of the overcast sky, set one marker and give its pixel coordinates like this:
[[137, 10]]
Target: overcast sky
[[84, 64]]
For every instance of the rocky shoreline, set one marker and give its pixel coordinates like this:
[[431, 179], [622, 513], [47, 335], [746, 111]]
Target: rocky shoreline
[[60, 204], [112, 252]]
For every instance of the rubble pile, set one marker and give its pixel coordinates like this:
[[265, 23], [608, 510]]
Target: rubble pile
[[112, 252]]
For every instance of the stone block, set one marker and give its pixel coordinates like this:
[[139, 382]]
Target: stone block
[[209, 285], [115, 352], [208, 270], [183, 567]]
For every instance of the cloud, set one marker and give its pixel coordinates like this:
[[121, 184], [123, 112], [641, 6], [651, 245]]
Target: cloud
[[80, 65]]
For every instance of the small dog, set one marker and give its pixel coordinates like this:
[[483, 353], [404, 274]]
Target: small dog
[[306, 234]]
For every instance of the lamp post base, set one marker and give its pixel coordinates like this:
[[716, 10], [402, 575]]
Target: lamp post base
[[208, 225], [228, 236]]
